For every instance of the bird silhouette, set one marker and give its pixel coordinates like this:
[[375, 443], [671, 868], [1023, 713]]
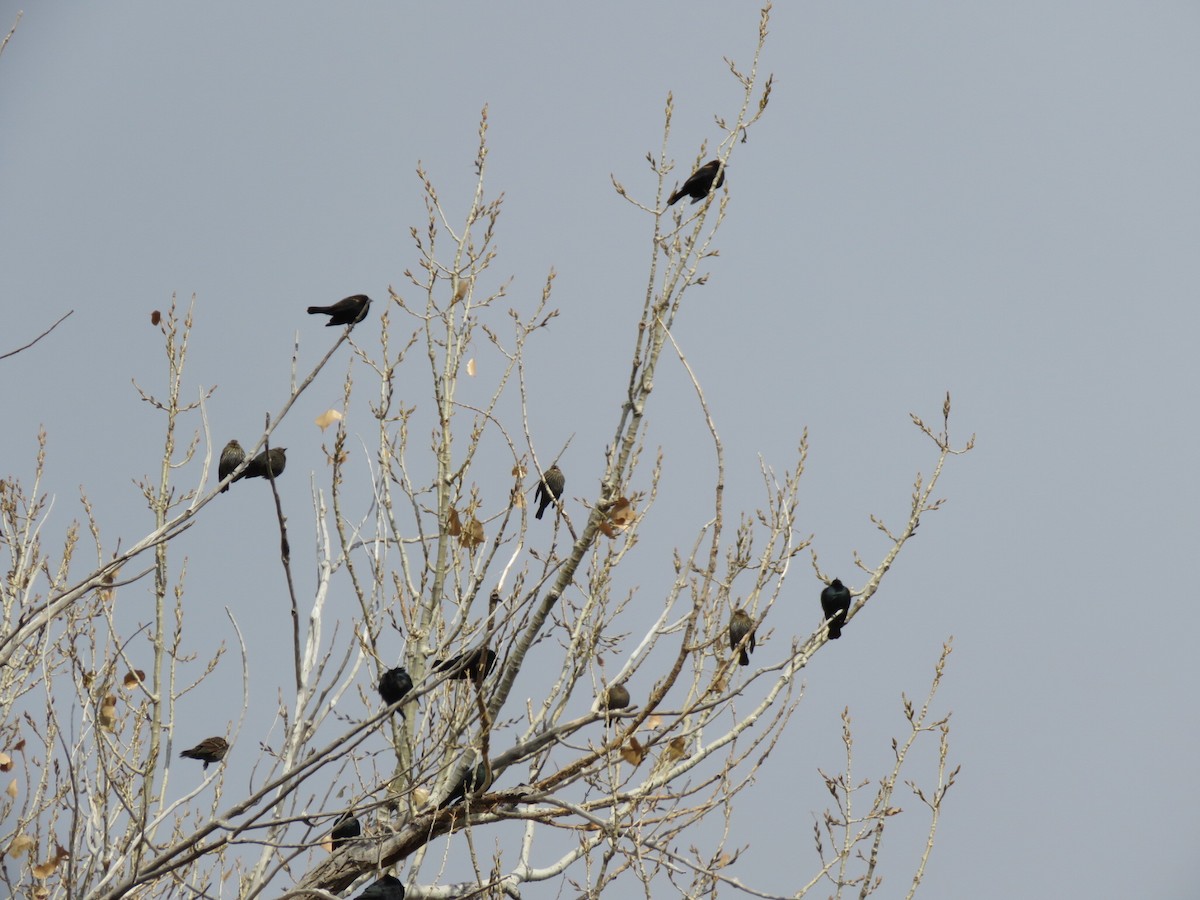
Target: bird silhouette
[[474, 780], [740, 625], [476, 664], [231, 457], [388, 887], [209, 750], [350, 311], [394, 686], [699, 182], [549, 489], [268, 463], [835, 603], [346, 827], [616, 697]]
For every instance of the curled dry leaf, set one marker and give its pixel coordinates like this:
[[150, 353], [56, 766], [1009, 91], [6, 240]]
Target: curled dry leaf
[[472, 533], [454, 526], [19, 746], [654, 722], [619, 517], [108, 713], [133, 679], [633, 752], [420, 796], [155, 317], [327, 418], [471, 367], [20, 845], [6, 762], [11, 790], [677, 749], [46, 869], [519, 472]]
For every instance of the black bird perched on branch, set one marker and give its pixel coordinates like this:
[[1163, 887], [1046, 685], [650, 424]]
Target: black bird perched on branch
[[394, 685], [268, 463], [388, 887], [476, 665], [350, 311], [473, 781], [699, 183], [835, 603], [231, 457], [346, 827], [549, 489], [740, 625], [616, 697], [209, 750]]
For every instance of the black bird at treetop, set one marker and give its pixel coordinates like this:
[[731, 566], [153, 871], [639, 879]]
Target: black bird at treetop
[[835, 603], [209, 750], [259, 468], [474, 780], [740, 625], [476, 665], [347, 827], [616, 697], [549, 489], [389, 887], [350, 311], [699, 182], [231, 457], [394, 686]]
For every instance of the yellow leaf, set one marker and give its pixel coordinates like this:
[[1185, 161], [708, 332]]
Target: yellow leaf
[[20, 845], [11, 790], [420, 796], [327, 418], [653, 722], [471, 367]]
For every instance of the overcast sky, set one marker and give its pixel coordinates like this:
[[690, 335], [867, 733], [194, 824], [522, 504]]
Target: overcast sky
[[1000, 200]]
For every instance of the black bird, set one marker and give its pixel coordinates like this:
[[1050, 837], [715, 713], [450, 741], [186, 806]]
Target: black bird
[[473, 781], [476, 665], [346, 827], [616, 697], [209, 750], [699, 182], [388, 887], [549, 489], [231, 457], [740, 625], [350, 311], [394, 685], [259, 467], [835, 603]]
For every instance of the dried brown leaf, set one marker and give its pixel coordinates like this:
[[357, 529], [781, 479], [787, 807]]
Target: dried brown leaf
[[133, 679], [20, 845], [327, 418]]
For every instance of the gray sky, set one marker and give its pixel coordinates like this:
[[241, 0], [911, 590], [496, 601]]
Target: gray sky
[[1001, 200]]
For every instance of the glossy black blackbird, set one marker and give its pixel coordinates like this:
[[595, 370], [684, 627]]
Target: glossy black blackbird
[[616, 697], [835, 603], [347, 827], [549, 489], [476, 665], [209, 750], [231, 457], [740, 625], [258, 467], [350, 311], [473, 781], [388, 887], [699, 182], [394, 685]]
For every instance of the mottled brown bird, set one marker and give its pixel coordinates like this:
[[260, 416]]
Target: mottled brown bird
[[474, 780], [476, 665], [549, 489], [231, 457], [616, 697], [209, 750], [740, 625], [835, 603], [346, 828], [394, 686], [388, 887], [268, 463], [350, 311], [699, 182]]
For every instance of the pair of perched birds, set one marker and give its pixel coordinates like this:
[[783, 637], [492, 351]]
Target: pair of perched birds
[[835, 604]]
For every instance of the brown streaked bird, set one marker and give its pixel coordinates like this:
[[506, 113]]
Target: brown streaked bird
[[699, 182], [389, 887], [350, 311], [346, 828], [549, 489], [475, 665], [740, 625], [616, 697], [259, 467], [209, 750], [231, 457], [835, 603], [473, 781]]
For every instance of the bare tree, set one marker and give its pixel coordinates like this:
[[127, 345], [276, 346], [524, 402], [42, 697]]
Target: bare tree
[[601, 788]]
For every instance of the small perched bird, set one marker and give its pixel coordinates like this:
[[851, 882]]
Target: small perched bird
[[473, 781], [394, 685], [549, 489], [231, 457], [350, 311], [209, 750], [346, 827], [476, 665], [740, 625], [835, 603], [388, 887], [616, 697], [274, 460], [699, 183]]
